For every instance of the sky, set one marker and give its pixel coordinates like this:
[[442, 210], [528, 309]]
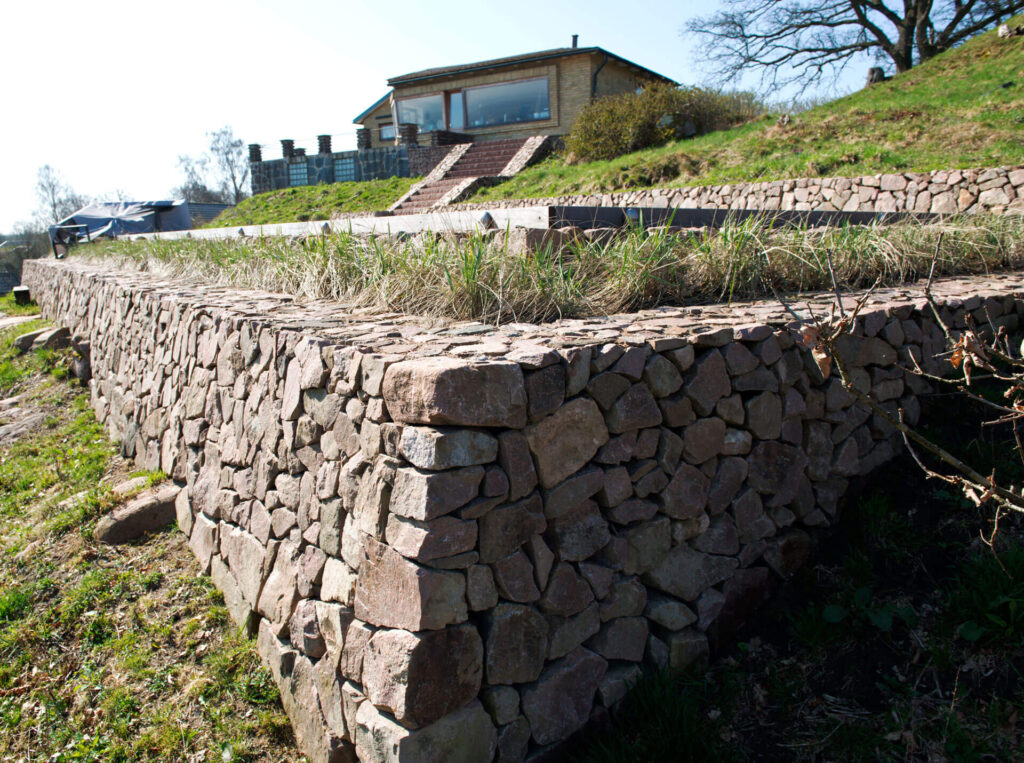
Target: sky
[[111, 93]]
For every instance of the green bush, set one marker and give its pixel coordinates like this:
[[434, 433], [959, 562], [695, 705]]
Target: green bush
[[618, 124]]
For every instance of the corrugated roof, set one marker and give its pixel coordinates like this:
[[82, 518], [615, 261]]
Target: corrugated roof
[[496, 63]]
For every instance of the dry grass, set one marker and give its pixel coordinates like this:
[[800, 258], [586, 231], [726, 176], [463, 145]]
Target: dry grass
[[480, 277]]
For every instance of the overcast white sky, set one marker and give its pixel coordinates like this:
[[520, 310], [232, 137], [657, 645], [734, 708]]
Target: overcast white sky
[[111, 93]]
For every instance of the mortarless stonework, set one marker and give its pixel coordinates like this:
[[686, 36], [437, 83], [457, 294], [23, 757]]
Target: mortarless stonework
[[461, 543], [944, 192]]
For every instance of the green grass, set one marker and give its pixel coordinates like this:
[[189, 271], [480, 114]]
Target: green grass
[[110, 653], [951, 112], [9, 307], [314, 202], [486, 278]]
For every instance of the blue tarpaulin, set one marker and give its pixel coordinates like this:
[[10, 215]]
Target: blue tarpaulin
[[116, 218]]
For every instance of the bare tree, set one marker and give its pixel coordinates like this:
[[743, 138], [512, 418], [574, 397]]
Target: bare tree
[[57, 199], [804, 42], [230, 171], [196, 187], [231, 161]]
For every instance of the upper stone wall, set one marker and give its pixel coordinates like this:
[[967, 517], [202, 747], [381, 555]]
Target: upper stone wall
[[995, 190], [461, 543]]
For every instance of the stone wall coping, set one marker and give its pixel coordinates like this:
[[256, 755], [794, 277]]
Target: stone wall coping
[[412, 336]]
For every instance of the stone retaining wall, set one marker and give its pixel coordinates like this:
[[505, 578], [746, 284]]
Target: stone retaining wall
[[996, 190], [462, 543]]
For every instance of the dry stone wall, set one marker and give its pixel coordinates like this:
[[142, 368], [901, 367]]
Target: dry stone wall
[[945, 192], [461, 543]]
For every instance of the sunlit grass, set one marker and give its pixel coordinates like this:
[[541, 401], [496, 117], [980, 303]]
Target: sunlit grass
[[481, 277]]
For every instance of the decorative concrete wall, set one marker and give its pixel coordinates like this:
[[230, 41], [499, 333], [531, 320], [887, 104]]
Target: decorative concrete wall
[[462, 543], [344, 166], [997, 190]]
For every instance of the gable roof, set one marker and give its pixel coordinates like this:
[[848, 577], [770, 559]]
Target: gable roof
[[525, 58], [376, 103]]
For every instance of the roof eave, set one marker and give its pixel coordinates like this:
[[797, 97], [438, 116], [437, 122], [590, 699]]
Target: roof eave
[[359, 119], [486, 65]]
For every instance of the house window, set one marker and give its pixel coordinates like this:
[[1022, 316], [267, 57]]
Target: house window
[[344, 170], [456, 111], [426, 111], [298, 173], [507, 103], [387, 132]]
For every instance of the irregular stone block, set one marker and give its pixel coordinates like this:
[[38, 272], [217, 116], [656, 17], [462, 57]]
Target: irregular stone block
[[624, 638], [502, 702], [661, 376], [580, 533], [144, 513], [560, 702], [668, 613], [686, 494], [436, 449], [456, 392], [394, 592], [464, 736], [545, 391], [514, 458], [703, 440], [515, 579], [427, 495], [515, 644], [566, 440], [421, 677], [572, 492], [567, 593], [686, 574], [506, 528], [567, 633], [436, 539], [707, 382], [776, 468], [636, 409]]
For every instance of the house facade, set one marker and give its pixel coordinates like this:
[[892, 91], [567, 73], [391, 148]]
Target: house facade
[[538, 93]]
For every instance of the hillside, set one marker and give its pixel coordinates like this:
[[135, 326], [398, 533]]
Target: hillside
[[314, 202], [964, 108]]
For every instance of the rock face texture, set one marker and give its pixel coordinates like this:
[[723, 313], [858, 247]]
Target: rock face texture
[[942, 192], [462, 544]]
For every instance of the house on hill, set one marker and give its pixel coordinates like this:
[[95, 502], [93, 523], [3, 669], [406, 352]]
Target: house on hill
[[538, 93], [501, 103]]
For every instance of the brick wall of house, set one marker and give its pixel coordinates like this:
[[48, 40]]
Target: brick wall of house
[[615, 78]]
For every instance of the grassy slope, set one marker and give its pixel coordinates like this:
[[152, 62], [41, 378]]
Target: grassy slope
[[109, 653], [951, 112], [314, 202]]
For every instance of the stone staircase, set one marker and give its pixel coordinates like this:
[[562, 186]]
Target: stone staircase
[[483, 159]]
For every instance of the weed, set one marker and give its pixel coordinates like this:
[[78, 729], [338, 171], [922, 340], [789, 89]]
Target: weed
[[14, 603], [988, 599], [481, 278]]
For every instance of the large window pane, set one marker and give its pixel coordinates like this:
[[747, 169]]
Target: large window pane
[[427, 112], [507, 103], [387, 132], [456, 111]]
